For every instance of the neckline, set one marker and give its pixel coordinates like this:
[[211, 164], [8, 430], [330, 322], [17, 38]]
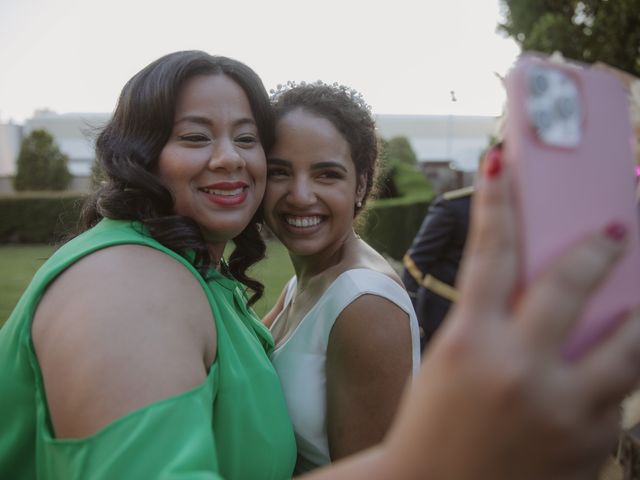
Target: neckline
[[292, 333]]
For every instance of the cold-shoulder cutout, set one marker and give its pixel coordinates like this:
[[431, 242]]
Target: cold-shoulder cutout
[[133, 308], [203, 430]]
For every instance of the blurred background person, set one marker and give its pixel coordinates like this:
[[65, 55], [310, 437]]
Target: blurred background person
[[431, 263]]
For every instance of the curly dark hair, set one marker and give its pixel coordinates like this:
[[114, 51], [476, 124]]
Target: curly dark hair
[[345, 108], [128, 149]]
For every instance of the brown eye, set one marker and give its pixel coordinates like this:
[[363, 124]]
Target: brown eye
[[193, 138], [330, 174], [247, 140], [276, 172]]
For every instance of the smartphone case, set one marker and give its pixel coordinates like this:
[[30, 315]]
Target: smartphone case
[[573, 182]]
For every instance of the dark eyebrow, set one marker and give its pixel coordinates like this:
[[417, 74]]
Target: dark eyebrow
[[278, 161], [322, 165], [316, 166], [200, 120]]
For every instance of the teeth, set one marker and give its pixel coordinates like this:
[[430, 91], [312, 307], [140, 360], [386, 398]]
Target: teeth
[[303, 222], [227, 193]]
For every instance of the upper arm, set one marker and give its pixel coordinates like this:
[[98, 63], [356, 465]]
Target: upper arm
[[122, 328], [369, 361]]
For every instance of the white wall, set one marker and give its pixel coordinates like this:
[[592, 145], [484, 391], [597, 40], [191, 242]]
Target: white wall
[[74, 134], [10, 138], [459, 139]]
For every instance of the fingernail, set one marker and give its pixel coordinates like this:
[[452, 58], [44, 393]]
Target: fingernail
[[493, 165], [616, 231]]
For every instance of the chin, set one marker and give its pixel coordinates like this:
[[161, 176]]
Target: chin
[[300, 249]]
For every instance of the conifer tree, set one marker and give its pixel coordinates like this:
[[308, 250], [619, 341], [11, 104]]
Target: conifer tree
[[41, 165]]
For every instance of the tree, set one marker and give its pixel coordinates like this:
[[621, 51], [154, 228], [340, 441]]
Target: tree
[[399, 149], [41, 165], [585, 30], [399, 174]]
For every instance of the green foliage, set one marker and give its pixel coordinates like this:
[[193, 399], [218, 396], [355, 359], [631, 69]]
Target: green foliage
[[274, 272], [18, 263], [587, 30], [400, 180], [410, 181], [398, 149], [41, 165], [390, 224], [399, 174], [404, 193], [38, 217]]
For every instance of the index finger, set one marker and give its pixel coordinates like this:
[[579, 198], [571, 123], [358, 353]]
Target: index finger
[[489, 269]]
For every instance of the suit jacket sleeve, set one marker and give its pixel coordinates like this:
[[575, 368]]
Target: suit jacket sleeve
[[433, 237]]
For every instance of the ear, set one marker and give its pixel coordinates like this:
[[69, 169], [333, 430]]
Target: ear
[[361, 188]]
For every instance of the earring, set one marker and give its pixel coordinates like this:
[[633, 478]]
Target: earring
[[359, 204]]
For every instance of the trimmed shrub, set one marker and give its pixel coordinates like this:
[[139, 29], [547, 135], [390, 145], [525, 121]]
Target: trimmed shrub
[[390, 224], [38, 217], [410, 181], [399, 149]]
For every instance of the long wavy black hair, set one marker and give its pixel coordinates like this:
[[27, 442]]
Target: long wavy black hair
[[128, 149]]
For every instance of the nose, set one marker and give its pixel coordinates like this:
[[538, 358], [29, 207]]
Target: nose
[[225, 155], [300, 193]]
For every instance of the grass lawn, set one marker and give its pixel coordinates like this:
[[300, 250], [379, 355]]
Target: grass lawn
[[17, 266], [273, 272], [19, 263]]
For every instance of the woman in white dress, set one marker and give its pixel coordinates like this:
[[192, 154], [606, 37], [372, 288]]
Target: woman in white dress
[[345, 331]]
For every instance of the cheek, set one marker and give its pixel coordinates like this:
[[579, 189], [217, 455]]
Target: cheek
[[261, 178], [268, 202], [258, 169], [170, 168], [344, 195]]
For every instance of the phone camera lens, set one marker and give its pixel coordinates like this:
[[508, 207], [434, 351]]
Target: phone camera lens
[[538, 84], [542, 119], [566, 107]]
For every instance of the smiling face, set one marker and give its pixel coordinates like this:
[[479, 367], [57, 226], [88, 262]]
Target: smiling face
[[213, 162], [312, 188]]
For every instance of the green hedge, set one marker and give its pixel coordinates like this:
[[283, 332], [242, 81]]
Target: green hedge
[[38, 217], [390, 224], [410, 181]]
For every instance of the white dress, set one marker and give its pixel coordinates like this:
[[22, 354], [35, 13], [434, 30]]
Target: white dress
[[300, 359]]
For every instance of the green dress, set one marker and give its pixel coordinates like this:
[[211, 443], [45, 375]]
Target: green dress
[[234, 425]]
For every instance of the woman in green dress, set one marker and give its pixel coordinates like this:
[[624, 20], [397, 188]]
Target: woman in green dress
[[134, 352]]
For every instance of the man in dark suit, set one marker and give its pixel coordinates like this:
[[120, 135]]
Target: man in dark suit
[[431, 264]]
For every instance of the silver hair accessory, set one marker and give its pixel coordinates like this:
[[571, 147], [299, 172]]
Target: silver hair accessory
[[353, 95]]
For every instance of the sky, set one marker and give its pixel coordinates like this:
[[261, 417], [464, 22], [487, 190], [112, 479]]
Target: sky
[[404, 56]]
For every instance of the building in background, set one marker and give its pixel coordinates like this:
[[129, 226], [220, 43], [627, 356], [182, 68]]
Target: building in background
[[75, 135], [10, 138], [447, 146]]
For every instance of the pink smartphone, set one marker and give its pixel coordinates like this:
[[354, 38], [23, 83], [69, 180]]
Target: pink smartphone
[[569, 141]]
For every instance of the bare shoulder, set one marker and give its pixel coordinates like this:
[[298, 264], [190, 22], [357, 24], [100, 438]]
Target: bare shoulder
[[372, 322], [375, 319], [367, 257], [121, 328]]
